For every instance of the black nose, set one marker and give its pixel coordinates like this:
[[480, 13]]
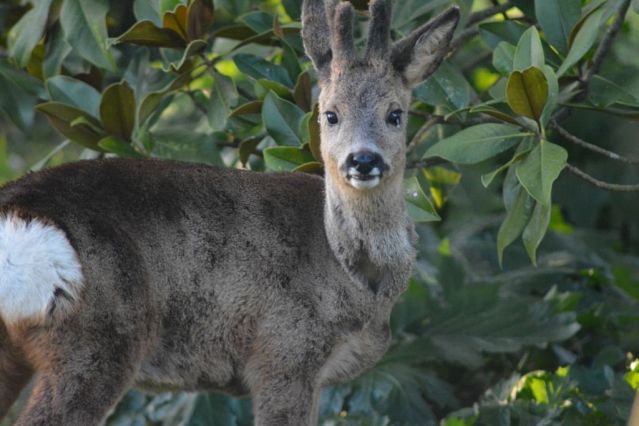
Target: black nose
[[364, 161]]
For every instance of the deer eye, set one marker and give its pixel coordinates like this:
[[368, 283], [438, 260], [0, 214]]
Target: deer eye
[[331, 117], [395, 118]]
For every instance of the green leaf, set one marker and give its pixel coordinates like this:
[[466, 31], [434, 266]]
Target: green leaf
[[477, 143], [61, 116], [539, 170], [603, 93], [583, 41], [495, 32], [529, 51], [119, 147], [199, 18], [557, 19], [503, 57], [247, 147], [419, 206], [74, 92], [285, 158], [176, 20], [527, 92], [117, 110], [258, 68], [145, 33], [18, 94], [177, 61], [252, 107], [313, 168], [303, 93], [152, 100], [58, 49], [518, 215], [24, 35], [223, 97], [279, 89], [84, 25], [487, 178], [446, 86], [282, 120], [145, 10], [536, 229], [258, 21], [553, 95]]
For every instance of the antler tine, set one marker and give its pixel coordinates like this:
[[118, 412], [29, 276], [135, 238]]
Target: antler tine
[[379, 29], [342, 32], [316, 31]]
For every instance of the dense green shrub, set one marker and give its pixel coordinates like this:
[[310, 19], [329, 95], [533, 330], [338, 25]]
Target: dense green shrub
[[535, 98]]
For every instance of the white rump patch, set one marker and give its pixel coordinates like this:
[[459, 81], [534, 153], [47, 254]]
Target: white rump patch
[[40, 274]]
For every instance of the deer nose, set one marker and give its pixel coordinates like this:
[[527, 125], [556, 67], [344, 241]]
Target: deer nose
[[364, 161]]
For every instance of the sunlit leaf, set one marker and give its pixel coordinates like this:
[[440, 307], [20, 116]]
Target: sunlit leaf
[[419, 206]]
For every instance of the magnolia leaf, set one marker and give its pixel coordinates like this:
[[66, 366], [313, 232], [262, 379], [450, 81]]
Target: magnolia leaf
[[477, 143], [527, 92], [536, 229], [303, 93], [503, 57], [282, 120], [24, 36], [74, 92], [313, 168], [246, 148], [176, 21], [84, 25], [223, 97], [253, 107], [516, 219], [539, 170], [557, 19], [61, 116], [286, 158], [145, 33], [200, 15], [529, 51], [487, 178], [119, 147], [314, 134], [117, 110], [583, 41], [417, 203]]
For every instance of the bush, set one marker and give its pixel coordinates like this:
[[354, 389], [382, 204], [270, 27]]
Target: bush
[[534, 100]]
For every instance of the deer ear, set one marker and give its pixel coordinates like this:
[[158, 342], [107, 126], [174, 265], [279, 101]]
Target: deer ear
[[316, 34], [419, 54]]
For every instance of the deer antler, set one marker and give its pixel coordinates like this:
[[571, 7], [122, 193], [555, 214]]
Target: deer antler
[[379, 30], [342, 33]]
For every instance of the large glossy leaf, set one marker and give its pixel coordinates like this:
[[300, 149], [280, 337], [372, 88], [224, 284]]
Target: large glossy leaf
[[503, 57], [529, 51], [152, 100], [536, 229], [18, 94], [74, 92], [84, 25], [419, 206], [445, 87], [63, 117], [540, 169], [222, 99], [117, 110], [495, 32], [119, 147], [199, 19], [24, 36], [583, 41], [315, 140], [522, 151], [259, 68], [517, 216], [282, 120], [176, 20], [146, 33], [303, 94], [527, 92], [604, 92], [286, 158], [476, 143], [557, 18]]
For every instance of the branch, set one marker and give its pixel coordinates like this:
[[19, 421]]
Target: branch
[[432, 122], [578, 141], [462, 38], [606, 43], [601, 184]]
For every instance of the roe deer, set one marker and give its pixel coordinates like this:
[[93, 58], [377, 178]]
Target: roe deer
[[167, 275]]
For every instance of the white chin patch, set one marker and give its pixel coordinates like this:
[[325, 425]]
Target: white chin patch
[[368, 181], [40, 275]]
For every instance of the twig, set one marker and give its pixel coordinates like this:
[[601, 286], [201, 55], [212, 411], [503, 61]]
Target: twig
[[191, 95], [600, 184], [606, 43], [578, 141], [462, 38], [487, 13]]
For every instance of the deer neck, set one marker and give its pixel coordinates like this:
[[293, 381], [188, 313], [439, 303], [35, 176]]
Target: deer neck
[[369, 232]]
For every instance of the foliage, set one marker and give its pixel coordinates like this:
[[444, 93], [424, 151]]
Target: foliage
[[481, 336]]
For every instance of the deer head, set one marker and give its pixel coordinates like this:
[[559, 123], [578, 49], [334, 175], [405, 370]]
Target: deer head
[[365, 98]]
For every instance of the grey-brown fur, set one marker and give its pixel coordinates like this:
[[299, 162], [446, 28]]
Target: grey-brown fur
[[197, 278]]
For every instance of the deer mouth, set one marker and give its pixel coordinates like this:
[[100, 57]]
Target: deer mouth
[[364, 180]]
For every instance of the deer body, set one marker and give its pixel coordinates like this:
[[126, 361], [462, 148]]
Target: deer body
[[166, 275]]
